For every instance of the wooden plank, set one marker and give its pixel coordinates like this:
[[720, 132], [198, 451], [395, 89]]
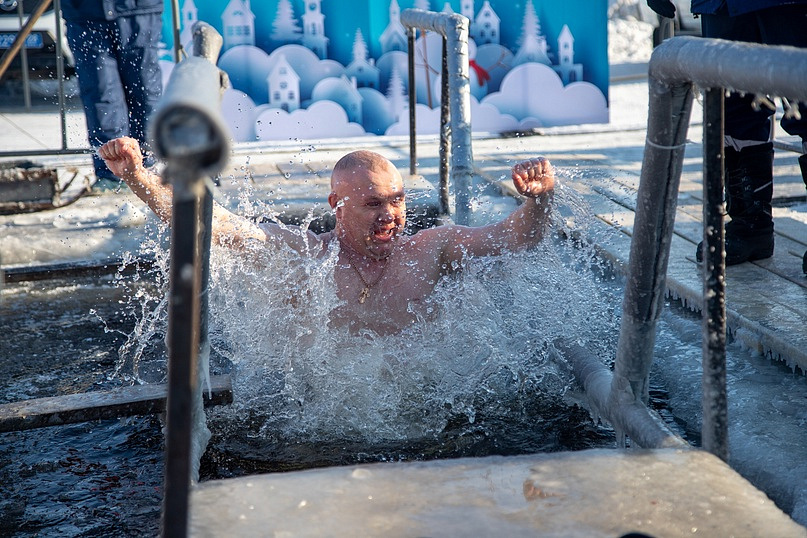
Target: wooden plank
[[88, 406], [321, 168], [293, 170], [791, 234], [74, 269], [788, 143]]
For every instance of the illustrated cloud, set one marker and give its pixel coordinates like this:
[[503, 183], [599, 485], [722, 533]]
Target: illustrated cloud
[[535, 92], [238, 111], [323, 119], [247, 68], [376, 112], [484, 118], [395, 59], [308, 67]]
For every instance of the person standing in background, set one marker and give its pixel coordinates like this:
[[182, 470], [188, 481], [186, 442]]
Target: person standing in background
[[115, 44], [748, 132]]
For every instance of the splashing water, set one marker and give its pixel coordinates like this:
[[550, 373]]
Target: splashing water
[[478, 360]]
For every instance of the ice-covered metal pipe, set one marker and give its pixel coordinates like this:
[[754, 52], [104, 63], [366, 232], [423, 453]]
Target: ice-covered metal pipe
[[628, 416], [675, 66], [192, 139], [454, 28], [188, 131]]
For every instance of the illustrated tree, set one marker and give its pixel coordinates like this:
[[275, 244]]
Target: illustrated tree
[[285, 28], [359, 46], [533, 44], [396, 93]]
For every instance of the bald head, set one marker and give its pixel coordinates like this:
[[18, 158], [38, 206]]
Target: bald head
[[356, 166]]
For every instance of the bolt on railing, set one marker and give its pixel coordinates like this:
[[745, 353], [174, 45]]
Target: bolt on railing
[[455, 106]]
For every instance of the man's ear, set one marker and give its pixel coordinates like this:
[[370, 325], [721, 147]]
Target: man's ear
[[333, 200]]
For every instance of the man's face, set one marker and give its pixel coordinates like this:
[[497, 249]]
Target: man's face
[[370, 210]]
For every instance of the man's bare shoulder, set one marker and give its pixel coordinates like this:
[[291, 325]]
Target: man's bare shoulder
[[434, 238], [299, 239], [428, 244]]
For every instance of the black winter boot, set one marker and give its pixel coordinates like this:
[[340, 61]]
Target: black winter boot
[[749, 191]]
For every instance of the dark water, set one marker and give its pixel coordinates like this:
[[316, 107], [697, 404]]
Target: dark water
[[92, 479]]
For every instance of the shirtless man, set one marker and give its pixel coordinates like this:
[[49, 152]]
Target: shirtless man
[[381, 275]]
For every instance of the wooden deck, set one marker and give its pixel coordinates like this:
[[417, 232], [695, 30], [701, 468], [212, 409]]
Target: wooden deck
[[766, 308]]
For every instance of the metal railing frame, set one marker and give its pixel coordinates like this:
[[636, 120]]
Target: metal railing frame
[[190, 136], [675, 67], [455, 106]]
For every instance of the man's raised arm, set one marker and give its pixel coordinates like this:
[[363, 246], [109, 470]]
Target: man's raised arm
[[125, 160], [523, 228]]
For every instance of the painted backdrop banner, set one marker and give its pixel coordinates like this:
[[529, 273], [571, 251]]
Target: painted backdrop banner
[[332, 68]]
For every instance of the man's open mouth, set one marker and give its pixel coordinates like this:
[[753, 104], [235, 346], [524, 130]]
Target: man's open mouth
[[384, 235]]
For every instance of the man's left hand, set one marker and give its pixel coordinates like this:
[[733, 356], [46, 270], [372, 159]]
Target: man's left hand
[[534, 177]]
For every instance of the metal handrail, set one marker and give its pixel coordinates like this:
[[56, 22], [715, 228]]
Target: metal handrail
[[190, 136], [455, 105], [675, 67]]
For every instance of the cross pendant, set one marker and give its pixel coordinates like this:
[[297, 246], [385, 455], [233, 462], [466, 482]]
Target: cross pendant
[[365, 293]]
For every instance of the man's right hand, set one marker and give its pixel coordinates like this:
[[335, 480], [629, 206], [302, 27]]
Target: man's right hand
[[665, 8], [122, 156]]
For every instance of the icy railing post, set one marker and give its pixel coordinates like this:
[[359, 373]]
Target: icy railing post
[[674, 67], [455, 130], [190, 136]]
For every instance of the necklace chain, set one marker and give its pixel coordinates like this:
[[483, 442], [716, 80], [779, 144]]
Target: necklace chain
[[365, 292]]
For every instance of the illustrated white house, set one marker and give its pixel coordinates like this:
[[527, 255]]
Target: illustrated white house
[[284, 86], [238, 23], [189, 15], [394, 36], [365, 72], [487, 25], [314, 29], [566, 68], [467, 10]]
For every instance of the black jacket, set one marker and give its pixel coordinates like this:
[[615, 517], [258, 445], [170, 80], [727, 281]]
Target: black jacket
[[738, 7]]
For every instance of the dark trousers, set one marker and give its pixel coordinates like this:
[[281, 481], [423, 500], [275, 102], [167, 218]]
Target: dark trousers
[[781, 25], [119, 77]]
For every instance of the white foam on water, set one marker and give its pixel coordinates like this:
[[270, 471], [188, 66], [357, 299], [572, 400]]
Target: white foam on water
[[480, 347]]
